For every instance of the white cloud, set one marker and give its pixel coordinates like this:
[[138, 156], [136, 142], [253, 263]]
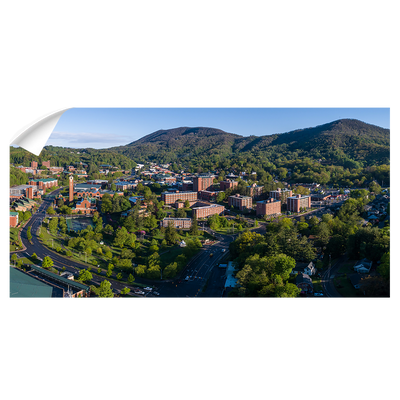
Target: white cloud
[[96, 140]]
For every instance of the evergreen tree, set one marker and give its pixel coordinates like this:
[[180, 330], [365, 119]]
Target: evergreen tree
[[171, 235], [194, 229]]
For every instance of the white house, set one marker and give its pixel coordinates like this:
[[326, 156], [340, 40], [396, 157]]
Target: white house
[[363, 266], [308, 269]]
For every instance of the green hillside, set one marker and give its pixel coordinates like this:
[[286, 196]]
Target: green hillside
[[339, 142]]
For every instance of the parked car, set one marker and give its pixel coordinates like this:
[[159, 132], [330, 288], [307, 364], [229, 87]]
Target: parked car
[[316, 294]]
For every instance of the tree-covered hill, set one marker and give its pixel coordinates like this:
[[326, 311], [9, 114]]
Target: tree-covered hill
[[338, 142], [171, 144]]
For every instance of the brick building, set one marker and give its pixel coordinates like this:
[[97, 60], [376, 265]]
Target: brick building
[[172, 197], [29, 191], [207, 195], [280, 194], [297, 202], [187, 186], [240, 202], [268, 207], [13, 219], [44, 183], [85, 206], [34, 164], [178, 223], [46, 164], [206, 211], [181, 204], [202, 183], [254, 191], [228, 184]]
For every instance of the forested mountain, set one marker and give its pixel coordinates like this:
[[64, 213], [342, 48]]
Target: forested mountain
[[344, 141], [180, 142], [344, 152]]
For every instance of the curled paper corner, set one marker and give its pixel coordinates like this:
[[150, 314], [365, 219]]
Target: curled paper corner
[[34, 136]]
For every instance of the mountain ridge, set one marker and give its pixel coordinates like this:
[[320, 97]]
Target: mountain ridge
[[350, 138]]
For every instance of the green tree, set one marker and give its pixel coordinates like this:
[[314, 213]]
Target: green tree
[[194, 229], [105, 289], [29, 233], [125, 291], [336, 246], [131, 279], [384, 267], [106, 203], [121, 237], [27, 215], [140, 270], [85, 275], [170, 270], [171, 235], [14, 258], [108, 229], [50, 211], [125, 265], [220, 197], [53, 225], [301, 190], [47, 262]]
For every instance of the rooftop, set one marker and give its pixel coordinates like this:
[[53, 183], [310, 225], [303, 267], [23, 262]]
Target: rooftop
[[43, 180], [271, 200], [299, 196], [23, 285], [177, 219], [231, 281], [61, 279]]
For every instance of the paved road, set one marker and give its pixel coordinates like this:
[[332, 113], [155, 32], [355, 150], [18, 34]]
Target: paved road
[[327, 279], [59, 261], [201, 277]]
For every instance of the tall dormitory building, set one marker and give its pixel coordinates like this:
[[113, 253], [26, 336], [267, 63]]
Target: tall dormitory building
[[202, 183]]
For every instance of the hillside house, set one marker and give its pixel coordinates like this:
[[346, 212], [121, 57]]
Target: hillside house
[[363, 266], [305, 268]]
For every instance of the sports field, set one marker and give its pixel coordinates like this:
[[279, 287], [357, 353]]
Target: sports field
[[77, 224]]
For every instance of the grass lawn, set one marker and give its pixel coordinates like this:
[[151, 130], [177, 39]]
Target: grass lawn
[[317, 284], [347, 267], [94, 260], [228, 230], [346, 289], [13, 238]]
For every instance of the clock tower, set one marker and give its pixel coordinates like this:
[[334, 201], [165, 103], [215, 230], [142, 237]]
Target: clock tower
[[71, 188]]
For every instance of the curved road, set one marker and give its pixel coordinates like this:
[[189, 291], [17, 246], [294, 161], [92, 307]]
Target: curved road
[[59, 261]]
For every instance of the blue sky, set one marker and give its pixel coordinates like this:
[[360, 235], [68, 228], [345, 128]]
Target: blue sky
[[107, 127]]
